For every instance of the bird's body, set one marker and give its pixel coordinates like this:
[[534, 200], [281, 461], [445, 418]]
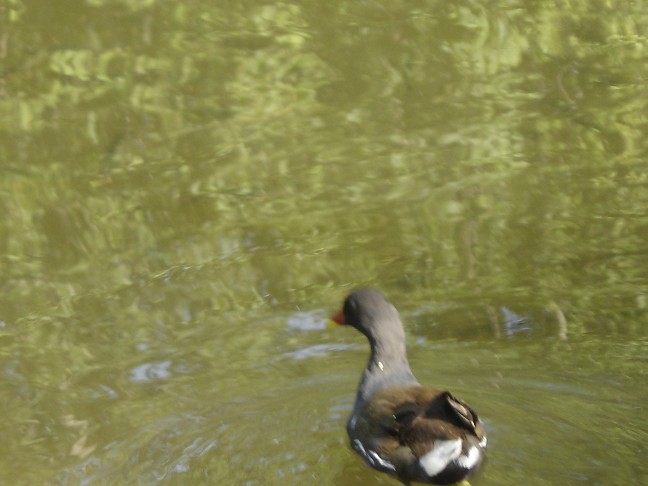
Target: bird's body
[[413, 432]]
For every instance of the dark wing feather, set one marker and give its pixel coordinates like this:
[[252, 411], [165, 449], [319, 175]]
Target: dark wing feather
[[466, 415]]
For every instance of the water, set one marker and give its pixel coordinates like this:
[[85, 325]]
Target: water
[[189, 191]]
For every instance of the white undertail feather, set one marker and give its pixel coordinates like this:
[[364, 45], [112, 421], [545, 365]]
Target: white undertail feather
[[443, 453], [469, 460]]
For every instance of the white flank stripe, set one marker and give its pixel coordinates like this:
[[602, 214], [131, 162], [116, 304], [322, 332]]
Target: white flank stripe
[[352, 422], [372, 457], [442, 454]]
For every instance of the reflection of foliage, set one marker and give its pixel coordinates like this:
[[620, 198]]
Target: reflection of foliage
[[181, 119], [162, 119]]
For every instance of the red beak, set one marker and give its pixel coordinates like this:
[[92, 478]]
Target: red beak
[[338, 318]]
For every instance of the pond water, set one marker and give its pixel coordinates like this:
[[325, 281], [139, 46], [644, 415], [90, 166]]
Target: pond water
[[189, 189]]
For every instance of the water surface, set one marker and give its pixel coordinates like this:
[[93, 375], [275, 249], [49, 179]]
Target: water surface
[[189, 190]]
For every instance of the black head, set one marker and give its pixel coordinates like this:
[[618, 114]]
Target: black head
[[369, 311]]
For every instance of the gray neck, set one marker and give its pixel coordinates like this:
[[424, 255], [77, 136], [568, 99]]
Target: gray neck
[[387, 366]]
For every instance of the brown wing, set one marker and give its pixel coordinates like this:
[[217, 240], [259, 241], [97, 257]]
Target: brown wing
[[466, 415], [400, 425], [416, 416]]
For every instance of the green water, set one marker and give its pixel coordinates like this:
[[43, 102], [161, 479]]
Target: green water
[[189, 189]]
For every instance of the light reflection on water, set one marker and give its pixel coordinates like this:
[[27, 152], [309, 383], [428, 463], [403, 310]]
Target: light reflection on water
[[149, 372]]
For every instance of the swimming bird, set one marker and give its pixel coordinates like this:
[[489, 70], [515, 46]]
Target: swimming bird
[[416, 433]]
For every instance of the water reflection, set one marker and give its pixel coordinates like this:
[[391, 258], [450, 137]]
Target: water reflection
[[150, 372], [307, 321]]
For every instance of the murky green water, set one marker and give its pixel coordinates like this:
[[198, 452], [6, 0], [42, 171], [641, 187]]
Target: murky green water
[[189, 190]]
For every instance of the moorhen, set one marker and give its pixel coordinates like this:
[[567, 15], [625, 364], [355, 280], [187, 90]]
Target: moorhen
[[397, 426]]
